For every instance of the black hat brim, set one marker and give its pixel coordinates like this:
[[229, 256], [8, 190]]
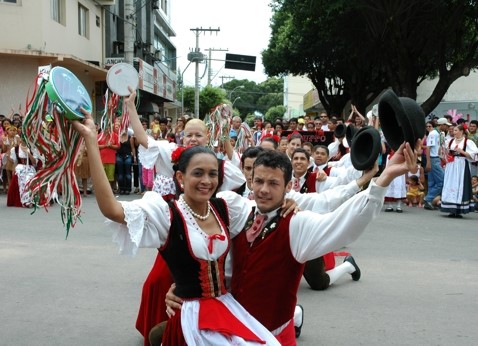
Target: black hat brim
[[366, 145], [401, 119]]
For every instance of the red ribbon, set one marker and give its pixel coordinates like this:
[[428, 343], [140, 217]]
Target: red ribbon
[[211, 238]]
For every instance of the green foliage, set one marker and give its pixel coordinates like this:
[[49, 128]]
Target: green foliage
[[209, 98], [275, 112], [355, 49]]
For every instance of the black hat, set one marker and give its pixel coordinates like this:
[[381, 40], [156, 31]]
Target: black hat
[[365, 148], [339, 131], [350, 132], [401, 119]]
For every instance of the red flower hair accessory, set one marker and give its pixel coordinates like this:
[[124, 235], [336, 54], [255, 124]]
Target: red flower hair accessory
[[293, 133], [465, 127], [176, 154]]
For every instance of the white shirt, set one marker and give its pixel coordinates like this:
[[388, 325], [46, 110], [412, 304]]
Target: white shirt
[[311, 235], [433, 143], [158, 154]]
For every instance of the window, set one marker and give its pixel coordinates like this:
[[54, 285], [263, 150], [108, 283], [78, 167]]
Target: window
[[83, 21], [164, 6], [57, 9], [10, 1]]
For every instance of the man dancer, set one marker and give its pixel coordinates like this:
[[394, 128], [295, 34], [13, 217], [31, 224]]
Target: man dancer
[[435, 171], [268, 261]]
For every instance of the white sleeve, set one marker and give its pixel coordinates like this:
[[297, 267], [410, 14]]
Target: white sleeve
[[472, 150], [326, 201], [147, 224], [333, 148], [239, 209], [157, 154], [313, 235], [233, 177]]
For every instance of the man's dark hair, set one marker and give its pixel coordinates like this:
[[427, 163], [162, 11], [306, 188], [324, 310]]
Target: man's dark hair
[[475, 122], [274, 159], [251, 153], [301, 150], [295, 120], [163, 121], [323, 147]]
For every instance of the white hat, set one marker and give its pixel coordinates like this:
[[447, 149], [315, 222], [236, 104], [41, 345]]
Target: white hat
[[443, 121]]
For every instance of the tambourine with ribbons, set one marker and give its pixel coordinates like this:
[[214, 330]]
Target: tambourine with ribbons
[[57, 99], [120, 76]]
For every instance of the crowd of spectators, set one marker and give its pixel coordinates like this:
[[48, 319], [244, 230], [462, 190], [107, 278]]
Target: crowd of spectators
[[119, 152]]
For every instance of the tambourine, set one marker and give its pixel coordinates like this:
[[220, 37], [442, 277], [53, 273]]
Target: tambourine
[[68, 93], [120, 76]]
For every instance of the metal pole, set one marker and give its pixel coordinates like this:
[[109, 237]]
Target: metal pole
[[196, 85], [129, 36], [182, 91]]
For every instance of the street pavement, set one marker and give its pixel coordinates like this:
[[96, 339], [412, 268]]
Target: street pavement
[[419, 283]]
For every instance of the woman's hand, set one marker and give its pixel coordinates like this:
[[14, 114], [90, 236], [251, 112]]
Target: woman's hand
[[321, 175], [289, 206], [86, 127]]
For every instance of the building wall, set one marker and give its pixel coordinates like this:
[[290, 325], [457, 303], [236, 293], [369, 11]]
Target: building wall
[[295, 87], [32, 28], [32, 39]]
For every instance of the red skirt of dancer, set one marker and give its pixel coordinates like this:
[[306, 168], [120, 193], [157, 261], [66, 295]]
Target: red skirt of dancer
[[152, 309]]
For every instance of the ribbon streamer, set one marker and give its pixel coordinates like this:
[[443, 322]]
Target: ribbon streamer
[[48, 132]]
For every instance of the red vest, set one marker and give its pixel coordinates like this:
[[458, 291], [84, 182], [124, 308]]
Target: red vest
[[266, 276], [309, 183]]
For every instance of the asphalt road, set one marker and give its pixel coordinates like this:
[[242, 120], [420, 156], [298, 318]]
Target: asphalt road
[[419, 283]]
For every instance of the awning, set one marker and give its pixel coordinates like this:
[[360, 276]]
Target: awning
[[76, 65], [148, 107]]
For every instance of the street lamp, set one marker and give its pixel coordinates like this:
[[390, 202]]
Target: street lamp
[[237, 98], [238, 87]]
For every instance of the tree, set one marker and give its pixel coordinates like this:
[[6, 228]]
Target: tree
[[275, 112], [209, 98], [355, 49]]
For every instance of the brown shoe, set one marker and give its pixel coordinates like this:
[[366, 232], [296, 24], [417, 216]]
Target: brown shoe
[[156, 334]]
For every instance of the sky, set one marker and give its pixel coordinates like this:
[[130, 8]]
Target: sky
[[244, 29]]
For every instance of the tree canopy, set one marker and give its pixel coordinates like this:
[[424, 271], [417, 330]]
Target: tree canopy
[[249, 97], [352, 50]]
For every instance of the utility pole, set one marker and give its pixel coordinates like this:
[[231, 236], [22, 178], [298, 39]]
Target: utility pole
[[209, 72], [225, 77], [197, 57], [129, 33]]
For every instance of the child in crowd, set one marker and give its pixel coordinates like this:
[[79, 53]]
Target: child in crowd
[[474, 189], [415, 191]]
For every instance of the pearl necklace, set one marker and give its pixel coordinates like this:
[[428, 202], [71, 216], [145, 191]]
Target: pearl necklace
[[193, 213]]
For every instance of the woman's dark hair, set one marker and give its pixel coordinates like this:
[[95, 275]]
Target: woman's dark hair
[[274, 159], [183, 163], [460, 127], [188, 154], [294, 136], [272, 140]]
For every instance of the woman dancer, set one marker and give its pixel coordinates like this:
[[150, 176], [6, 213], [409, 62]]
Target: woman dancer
[[457, 196], [195, 248], [25, 163], [158, 154]]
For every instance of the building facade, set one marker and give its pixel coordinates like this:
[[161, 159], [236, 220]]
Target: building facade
[[86, 36]]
